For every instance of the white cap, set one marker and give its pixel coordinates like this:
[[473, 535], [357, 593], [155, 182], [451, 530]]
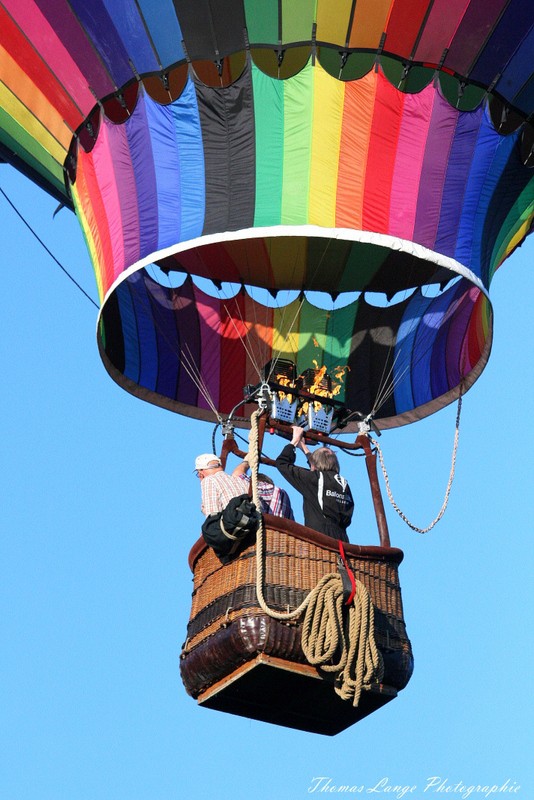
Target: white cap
[[207, 460]]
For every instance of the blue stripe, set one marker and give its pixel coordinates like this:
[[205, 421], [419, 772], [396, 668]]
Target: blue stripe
[[188, 135]]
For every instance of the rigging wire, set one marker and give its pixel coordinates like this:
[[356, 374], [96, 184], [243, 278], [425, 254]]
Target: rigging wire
[[43, 245], [449, 484]]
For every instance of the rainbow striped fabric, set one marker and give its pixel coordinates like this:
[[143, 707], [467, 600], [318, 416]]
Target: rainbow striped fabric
[[281, 146]]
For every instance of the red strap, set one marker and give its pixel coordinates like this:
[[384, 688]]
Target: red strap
[[350, 573]]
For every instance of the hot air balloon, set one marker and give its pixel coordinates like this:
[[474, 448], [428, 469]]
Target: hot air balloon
[[379, 152]]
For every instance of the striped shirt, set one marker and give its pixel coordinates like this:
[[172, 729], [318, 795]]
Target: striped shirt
[[218, 489]]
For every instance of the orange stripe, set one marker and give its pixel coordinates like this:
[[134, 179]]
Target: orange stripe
[[90, 200], [354, 147], [387, 118]]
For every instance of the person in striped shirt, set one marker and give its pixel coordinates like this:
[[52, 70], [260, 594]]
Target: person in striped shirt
[[218, 488]]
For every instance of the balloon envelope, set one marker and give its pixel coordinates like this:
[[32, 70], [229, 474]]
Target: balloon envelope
[[381, 147]]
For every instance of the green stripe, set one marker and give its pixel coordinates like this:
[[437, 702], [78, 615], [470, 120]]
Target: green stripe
[[262, 22], [298, 104], [17, 139], [339, 332], [363, 263], [298, 17], [313, 322], [269, 122], [518, 214]]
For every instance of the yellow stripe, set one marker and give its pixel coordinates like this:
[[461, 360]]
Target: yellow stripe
[[329, 94], [286, 331], [33, 100], [288, 260], [89, 240], [12, 106]]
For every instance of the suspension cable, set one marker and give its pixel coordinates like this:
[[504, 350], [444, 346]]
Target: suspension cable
[[43, 245], [449, 484]]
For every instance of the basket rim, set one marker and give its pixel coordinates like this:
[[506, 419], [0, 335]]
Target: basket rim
[[298, 531]]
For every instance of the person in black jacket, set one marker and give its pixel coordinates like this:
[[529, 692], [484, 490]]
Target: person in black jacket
[[328, 503]]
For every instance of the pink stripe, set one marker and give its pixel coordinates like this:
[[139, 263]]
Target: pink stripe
[[209, 315], [409, 162], [105, 175], [38, 30]]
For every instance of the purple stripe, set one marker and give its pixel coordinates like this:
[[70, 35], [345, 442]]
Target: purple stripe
[[143, 167], [438, 148], [423, 380], [188, 325], [68, 29], [126, 190], [101, 30], [472, 33], [458, 170]]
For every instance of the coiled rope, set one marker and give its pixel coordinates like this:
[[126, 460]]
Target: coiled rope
[[326, 632], [449, 484]]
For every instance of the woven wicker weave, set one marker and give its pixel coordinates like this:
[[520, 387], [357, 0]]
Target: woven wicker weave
[[295, 559]]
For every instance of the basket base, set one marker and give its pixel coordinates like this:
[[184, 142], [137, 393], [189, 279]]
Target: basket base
[[281, 692]]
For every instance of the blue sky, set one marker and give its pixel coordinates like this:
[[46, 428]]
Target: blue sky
[[100, 509]]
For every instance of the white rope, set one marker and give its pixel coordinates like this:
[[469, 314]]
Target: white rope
[[449, 484]]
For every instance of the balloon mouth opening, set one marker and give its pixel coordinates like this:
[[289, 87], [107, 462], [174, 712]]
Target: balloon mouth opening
[[329, 264], [165, 339]]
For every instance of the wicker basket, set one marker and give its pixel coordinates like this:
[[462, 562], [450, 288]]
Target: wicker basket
[[227, 627]]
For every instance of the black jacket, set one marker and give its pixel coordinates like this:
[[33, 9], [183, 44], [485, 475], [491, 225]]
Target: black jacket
[[328, 503]]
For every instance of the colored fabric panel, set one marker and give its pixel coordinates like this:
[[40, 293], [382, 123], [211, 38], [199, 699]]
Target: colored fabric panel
[[312, 336], [89, 241], [167, 171], [131, 30], [455, 185], [129, 332], [481, 171], [442, 21], [371, 361], [169, 373], [334, 28], [286, 324], [227, 121], [90, 203], [471, 34], [298, 116], [404, 348], [63, 21], [116, 166], [190, 155], [233, 354], [269, 131], [340, 325], [209, 364], [262, 22], [164, 29], [211, 28], [369, 22], [406, 183], [110, 140], [354, 148], [433, 171], [297, 18], [259, 338], [382, 155], [507, 181], [147, 325], [403, 25], [18, 141], [19, 121], [327, 118], [423, 379], [52, 51], [144, 170], [107, 40]]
